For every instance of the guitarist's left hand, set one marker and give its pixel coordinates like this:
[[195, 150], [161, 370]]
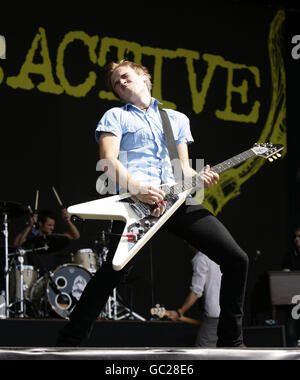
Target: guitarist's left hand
[[209, 177], [172, 315]]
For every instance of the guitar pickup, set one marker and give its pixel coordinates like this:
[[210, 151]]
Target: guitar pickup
[[141, 209], [137, 210]]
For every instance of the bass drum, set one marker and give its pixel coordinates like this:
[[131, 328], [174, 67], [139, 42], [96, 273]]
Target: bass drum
[[64, 288]]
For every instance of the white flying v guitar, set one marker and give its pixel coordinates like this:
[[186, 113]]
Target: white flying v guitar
[[140, 226]]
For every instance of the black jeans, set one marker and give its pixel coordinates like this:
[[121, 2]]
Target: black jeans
[[205, 232]]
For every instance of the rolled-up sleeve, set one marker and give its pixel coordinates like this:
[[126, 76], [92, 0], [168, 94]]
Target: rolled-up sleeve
[[110, 122], [200, 270]]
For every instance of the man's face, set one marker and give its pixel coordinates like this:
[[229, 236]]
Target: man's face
[[297, 239], [47, 228], [128, 84]]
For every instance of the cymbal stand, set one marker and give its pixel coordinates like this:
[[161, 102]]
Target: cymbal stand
[[21, 300], [6, 268]]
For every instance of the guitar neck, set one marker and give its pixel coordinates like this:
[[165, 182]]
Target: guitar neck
[[232, 162], [191, 321], [189, 184]]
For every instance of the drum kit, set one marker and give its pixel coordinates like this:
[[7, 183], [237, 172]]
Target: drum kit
[[27, 294]]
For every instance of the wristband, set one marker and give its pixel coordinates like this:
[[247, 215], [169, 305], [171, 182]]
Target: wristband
[[179, 313]]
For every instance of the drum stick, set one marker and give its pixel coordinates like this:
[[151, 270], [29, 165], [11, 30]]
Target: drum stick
[[36, 201], [57, 197]]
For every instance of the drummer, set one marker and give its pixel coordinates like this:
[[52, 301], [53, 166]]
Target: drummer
[[42, 225]]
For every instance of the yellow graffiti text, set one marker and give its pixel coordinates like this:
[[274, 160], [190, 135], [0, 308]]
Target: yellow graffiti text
[[44, 69], [99, 52]]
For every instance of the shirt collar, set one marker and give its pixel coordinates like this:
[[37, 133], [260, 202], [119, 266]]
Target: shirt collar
[[153, 103]]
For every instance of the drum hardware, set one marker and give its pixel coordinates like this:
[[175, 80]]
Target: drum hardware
[[21, 266], [53, 242], [101, 244], [19, 278], [22, 288], [2, 307], [6, 273], [21, 282], [9, 210], [115, 310], [39, 245], [56, 292], [25, 276]]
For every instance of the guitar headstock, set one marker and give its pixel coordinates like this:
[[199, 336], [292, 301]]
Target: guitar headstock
[[158, 311], [268, 151]]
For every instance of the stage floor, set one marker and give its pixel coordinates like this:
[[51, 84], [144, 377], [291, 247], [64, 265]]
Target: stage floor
[[148, 354]]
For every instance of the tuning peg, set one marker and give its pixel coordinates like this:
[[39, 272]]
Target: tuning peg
[[275, 157], [270, 159], [278, 155]]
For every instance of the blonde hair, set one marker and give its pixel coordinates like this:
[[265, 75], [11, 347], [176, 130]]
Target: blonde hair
[[140, 69]]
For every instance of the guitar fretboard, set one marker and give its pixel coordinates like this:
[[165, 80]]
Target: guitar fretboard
[[195, 181], [232, 162]]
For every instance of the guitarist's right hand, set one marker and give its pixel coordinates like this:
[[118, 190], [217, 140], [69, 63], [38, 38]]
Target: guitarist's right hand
[[152, 196]]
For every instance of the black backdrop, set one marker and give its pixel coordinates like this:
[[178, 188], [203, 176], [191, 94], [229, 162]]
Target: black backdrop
[[48, 139]]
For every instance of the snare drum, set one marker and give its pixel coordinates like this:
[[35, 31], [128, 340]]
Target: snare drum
[[30, 276], [87, 258], [63, 288]]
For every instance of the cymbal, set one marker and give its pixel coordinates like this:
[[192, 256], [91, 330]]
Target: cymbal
[[54, 242], [13, 209]]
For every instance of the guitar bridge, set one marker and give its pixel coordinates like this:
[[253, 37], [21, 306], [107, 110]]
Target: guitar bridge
[[141, 209]]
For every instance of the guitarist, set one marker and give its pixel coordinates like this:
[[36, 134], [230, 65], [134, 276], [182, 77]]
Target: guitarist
[[136, 157]]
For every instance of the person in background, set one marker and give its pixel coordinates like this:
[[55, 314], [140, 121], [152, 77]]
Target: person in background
[[43, 225], [205, 285], [291, 262]]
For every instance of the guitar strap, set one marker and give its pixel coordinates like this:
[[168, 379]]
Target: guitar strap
[[170, 141]]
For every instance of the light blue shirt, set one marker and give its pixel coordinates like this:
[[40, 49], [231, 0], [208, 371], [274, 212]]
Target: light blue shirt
[[143, 150]]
